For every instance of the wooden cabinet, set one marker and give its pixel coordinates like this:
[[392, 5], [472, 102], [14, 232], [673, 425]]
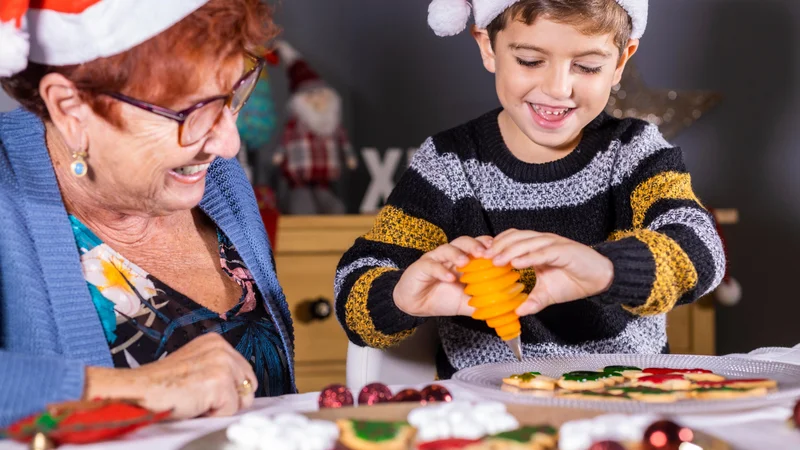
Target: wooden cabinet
[[307, 252], [691, 329]]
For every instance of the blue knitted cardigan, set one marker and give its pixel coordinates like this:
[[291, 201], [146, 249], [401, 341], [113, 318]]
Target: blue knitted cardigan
[[49, 329]]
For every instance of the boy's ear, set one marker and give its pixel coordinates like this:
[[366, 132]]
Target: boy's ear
[[485, 45], [627, 53]]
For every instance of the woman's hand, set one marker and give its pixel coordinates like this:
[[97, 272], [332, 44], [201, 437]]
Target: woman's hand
[[430, 286], [203, 378], [565, 270]]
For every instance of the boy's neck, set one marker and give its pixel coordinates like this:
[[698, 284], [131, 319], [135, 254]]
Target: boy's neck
[[526, 150]]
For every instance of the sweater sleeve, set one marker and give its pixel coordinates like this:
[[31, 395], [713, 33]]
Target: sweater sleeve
[[29, 383], [665, 250], [413, 222]]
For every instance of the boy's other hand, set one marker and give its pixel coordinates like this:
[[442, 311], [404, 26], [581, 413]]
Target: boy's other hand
[[565, 270], [430, 286]]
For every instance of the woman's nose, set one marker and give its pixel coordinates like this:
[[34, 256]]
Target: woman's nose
[[224, 138]]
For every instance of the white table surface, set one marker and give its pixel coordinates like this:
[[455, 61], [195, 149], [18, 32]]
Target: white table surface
[[755, 430]]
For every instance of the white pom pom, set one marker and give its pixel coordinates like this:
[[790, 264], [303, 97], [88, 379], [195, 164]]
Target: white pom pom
[[729, 292], [448, 17], [14, 49]]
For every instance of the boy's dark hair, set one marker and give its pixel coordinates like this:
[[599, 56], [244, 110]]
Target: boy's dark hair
[[592, 17]]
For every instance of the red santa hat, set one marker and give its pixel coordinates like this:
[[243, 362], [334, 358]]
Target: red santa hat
[[450, 17], [301, 76], [65, 32]]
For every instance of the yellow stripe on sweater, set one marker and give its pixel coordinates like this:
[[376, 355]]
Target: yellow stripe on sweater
[[357, 315], [667, 185], [393, 226], [675, 273]]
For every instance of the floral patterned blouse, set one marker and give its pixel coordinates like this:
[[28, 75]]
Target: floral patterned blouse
[[145, 320]]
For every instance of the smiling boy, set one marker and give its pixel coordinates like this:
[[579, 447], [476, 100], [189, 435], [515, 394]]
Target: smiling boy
[[597, 213]]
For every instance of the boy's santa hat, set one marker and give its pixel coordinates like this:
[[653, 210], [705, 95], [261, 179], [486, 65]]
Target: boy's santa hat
[[65, 32], [301, 76], [450, 17]]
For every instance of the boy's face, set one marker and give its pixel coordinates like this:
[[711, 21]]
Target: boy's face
[[551, 79]]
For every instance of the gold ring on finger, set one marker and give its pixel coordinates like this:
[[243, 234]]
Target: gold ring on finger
[[245, 388]]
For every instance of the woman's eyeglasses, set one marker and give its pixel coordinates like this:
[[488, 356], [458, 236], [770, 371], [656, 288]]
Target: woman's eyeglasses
[[196, 121]]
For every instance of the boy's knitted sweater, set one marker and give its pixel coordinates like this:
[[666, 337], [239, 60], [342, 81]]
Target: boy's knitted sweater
[[624, 191]]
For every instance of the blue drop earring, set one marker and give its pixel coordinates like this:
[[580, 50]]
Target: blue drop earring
[[79, 167]]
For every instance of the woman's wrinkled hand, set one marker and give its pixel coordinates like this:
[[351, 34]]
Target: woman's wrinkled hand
[[203, 378]]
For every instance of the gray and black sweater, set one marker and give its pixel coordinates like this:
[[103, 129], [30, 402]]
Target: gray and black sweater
[[624, 191]]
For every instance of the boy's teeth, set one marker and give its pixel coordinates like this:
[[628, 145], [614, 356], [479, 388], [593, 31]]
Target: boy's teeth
[[190, 170], [559, 112]]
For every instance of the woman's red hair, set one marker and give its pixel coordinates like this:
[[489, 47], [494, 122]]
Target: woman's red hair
[[164, 69]]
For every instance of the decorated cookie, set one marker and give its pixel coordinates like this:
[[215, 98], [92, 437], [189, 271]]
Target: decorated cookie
[[448, 444], [613, 378], [744, 383], [461, 420], [647, 394], [374, 435], [531, 380], [289, 431], [629, 372], [588, 381], [671, 382], [525, 438], [528, 392], [726, 393], [593, 395], [690, 374]]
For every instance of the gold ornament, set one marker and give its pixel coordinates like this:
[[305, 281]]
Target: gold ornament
[[671, 110]]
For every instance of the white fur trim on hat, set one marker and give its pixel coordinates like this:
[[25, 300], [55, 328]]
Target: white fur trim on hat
[[14, 48], [637, 9], [488, 10], [446, 17], [104, 29]]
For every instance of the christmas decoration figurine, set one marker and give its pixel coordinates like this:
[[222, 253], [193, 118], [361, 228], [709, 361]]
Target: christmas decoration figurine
[[314, 142]]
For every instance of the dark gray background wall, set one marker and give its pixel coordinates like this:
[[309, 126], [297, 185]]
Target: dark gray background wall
[[400, 83]]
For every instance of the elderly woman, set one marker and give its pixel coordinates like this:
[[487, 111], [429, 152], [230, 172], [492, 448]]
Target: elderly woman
[[133, 260]]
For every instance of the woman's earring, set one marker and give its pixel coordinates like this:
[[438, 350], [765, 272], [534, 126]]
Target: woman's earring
[[79, 167]]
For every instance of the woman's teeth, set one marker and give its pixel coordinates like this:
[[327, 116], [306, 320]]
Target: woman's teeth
[[191, 170]]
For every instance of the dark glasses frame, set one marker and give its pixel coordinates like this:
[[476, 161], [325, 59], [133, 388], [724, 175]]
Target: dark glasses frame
[[183, 115]]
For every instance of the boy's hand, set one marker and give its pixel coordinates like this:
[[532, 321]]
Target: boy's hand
[[430, 286], [565, 270]]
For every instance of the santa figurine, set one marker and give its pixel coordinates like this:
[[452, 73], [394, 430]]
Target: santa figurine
[[314, 143]]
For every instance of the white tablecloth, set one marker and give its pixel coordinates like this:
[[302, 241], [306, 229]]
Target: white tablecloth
[[764, 429]]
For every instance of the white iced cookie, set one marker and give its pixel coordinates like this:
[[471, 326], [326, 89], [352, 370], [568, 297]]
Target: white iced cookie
[[581, 434], [461, 420], [282, 432]]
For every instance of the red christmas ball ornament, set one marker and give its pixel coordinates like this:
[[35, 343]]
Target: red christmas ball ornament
[[436, 393], [607, 445], [335, 396], [796, 415], [373, 394], [666, 435], [407, 395]]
